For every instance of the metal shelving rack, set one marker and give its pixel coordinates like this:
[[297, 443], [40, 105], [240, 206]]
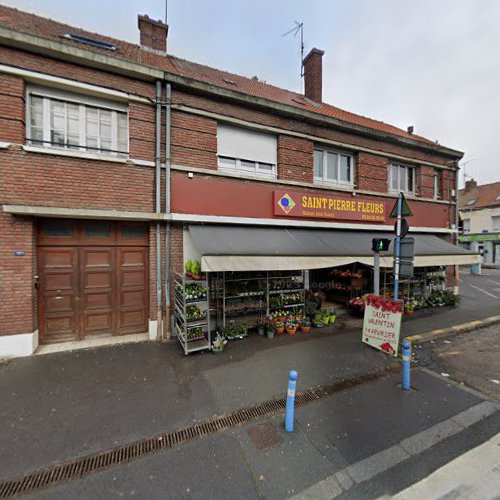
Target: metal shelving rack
[[225, 296], [183, 326]]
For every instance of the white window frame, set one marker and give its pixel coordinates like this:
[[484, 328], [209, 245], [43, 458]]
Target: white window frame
[[83, 102], [495, 223], [323, 179], [407, 168], [256, 170], [437, 187]]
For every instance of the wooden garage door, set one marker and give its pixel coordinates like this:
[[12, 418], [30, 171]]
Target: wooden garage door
[[93, 279]]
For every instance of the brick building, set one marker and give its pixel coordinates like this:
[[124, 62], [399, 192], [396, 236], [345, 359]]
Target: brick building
[[95, 131]]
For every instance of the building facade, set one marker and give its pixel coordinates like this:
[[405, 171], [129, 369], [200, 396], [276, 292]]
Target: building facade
[[480, 220], [109, 151]]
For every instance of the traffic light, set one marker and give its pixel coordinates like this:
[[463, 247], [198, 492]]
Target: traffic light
[[380, 244]]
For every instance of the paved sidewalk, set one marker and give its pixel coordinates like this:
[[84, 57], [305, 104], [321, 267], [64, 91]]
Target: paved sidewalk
[[366, 442]]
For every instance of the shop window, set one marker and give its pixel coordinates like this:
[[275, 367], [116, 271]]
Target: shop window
[[69, 121], [246, 152], [402, 179], [333, 167]]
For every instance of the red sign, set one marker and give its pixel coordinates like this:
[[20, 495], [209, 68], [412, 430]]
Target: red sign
[[328, 206]]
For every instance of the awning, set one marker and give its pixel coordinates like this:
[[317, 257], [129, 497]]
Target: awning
[[249, 248]]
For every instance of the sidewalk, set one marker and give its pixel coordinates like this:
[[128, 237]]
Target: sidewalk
[[367, 442]]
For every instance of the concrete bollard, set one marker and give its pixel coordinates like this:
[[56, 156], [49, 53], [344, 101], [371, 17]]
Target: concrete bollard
[[406, 365], [290, 401]]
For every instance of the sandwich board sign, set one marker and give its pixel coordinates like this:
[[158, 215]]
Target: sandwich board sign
[[382, 323]]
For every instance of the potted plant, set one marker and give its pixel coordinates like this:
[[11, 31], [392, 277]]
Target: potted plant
[[305, 325], [270, 326], [261, 326], [218, 344], [325, 316], [279, 326], [291, 326]]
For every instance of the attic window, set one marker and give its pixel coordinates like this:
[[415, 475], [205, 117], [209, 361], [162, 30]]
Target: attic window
[[231, 82], [90, 41], [471, 202]]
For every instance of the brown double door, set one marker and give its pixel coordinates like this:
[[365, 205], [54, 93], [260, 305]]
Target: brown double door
[[93, 279]]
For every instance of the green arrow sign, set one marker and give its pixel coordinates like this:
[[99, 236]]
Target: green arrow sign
[[405, 208]]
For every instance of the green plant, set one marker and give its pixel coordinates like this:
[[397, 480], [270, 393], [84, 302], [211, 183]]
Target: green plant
[[234, 330], [188, 266], [305, 322], [279, 324]]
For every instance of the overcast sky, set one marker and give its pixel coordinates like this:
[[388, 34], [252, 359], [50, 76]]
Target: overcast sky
[[434, 64]]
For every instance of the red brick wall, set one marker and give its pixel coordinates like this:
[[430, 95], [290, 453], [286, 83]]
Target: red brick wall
[[17, 299], [371, 172], [425, 182], [193, 141], [12, 109], [142, 131], [295, 159]]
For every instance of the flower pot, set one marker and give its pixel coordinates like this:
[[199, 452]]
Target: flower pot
[[218, 351], [291, 332], [261, 331], [325, 319], [282, 320], [279, 330], [270, 334], [305, 329], [409, 313], [332, 319]]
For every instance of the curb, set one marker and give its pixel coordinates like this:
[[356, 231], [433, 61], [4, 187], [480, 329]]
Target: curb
[[462, 328]]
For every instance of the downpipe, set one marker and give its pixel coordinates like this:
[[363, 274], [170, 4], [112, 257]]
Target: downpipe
[[168, 109], [159, 316]]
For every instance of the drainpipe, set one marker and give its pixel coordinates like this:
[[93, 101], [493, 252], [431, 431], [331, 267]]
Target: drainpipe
[[158, 210], [457, 167], [168, 94]]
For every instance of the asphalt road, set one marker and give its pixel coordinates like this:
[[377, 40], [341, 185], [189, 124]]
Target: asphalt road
[[472, 359]]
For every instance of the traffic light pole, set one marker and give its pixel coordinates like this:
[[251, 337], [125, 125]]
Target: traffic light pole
[[376, 273], [397, 247]]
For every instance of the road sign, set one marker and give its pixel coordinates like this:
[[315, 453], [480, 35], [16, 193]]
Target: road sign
[[407, 249], [405, 208], [405, 227], [406, 269]]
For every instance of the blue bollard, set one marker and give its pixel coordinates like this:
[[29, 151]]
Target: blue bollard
[[406, 365], [290, 401]]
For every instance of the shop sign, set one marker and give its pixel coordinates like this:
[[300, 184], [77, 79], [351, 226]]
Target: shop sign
[[480, 237], [328, 206], [382, 323]]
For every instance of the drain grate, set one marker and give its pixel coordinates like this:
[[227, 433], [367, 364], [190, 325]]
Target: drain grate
[[86, 465]]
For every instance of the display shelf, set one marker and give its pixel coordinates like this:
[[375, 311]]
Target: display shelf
[[182, 323], [292, 282]]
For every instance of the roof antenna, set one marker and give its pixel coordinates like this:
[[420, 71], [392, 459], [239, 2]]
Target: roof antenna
[[295, 30], [166, 12]]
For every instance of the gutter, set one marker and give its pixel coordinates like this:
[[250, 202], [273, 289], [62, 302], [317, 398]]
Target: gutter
[[66, 52], [168, 326]]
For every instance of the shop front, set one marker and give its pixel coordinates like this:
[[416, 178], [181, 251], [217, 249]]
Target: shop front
[[252, 274]]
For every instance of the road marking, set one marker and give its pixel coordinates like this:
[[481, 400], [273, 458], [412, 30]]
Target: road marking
[[367, 468], [484, 291], [495, 282]]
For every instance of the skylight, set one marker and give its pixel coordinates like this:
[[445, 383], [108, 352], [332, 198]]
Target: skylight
[[231, 82], [90, 41], [497, 198], [471, 202]]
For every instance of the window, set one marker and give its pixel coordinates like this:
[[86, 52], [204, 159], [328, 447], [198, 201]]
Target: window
[[64, 120], [437, 184], [495, 223], [333, 167], [497, 198], [246, 151], [90, 41], [466, 225], [402, 178], [470, 202]]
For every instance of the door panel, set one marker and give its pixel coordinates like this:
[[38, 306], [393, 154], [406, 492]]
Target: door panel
[[92, 280], [96, 290], [132, 289], [58, 294]]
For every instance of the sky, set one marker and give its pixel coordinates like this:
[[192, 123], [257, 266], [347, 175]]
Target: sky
[[427, 63]]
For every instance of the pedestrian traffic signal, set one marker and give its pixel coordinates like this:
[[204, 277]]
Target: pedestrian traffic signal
[[380, 244]]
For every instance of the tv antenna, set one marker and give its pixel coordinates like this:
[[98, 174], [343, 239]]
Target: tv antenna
[[464, 164], [299, 27]]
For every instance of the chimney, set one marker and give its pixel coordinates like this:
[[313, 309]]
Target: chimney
[[153, 34], [470, 185], [313, 75]]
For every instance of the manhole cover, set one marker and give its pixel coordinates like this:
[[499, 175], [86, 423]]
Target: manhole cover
[[264, 436]]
